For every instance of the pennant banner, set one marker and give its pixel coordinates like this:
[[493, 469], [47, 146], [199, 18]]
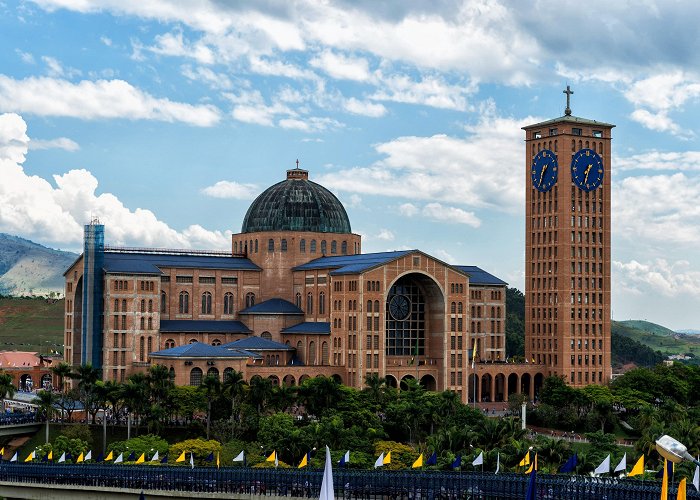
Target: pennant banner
[[418, 462]]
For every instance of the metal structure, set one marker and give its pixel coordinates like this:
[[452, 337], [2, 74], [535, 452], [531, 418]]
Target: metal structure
[[92, 319]]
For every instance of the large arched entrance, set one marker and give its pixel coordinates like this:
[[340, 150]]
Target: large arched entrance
[[539, 381], [26, 383], [500, 388], [473, 388], [428, 382]]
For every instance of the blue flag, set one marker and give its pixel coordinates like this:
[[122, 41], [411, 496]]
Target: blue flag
[[45, 458], [100, 458], [457, 462], [164, 460], [345, 459], [532, 486], [68, 456], [669, 466], [210, 458], [570, 464], [432, 460], [132, 457]]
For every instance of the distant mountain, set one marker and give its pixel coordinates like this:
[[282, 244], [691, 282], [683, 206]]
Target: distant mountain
[[648, 327], [660, 339], [27, 268], [689, 332]]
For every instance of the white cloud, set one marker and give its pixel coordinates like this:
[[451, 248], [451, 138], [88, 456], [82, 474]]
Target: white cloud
[[229, 189], [26, 57], [250, 107], [342, 67], [655, 121], [96, 100], [175, 44], [408, 209], [455, 215], [672, 279], [428, 91], [59, 143], [217, 81], [56, 70], [659, 160], [310, 124], [278, 68], [385, 235], [364, 108], [106, 40], [32, 207], [444, 256]]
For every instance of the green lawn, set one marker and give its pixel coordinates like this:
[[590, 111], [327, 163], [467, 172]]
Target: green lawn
[[31, 325]]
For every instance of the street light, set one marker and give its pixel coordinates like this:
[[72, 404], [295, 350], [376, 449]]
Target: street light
[[673, 450]]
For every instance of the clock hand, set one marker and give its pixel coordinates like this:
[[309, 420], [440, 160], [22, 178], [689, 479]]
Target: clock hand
[[544, 169], [585, 179]]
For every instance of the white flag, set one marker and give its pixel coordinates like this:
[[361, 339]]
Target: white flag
[[14, 457], [696, 478], [277, 460], [498, 462], [622, 466], [327, 492], [192, 460], [240, 457], [119, 459], [88, 456], [380, 461], [479, 460], [604, 467], [155, 457], [63, 458]]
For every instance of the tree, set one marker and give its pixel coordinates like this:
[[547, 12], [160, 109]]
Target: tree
[[87, 376], [212, 389], [260, 392], [62, 370], [7, 388], [45, 400], [234, 387]]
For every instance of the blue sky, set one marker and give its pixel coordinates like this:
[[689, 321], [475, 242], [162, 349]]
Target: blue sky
[[166, 118]]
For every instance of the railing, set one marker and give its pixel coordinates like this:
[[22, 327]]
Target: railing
[[19, 418], [349, 484]]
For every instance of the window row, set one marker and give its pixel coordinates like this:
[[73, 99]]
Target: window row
[[583, 344], [146, 286], [121, 285], [548, 344], [585, 379], [544, 237], [456, 287], [586, 267], [245, 247], [205, 305], [585, 359], [374, 286]]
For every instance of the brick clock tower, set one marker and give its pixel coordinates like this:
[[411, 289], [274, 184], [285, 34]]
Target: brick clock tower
[[567, 245]]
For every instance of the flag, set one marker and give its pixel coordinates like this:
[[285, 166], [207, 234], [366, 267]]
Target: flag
[[670, 469], [681, 490], [498, 462], [432, 460], [88, 456], [50, 455], [570, 465], [2, 451], [327, 491], [99, 458], [62, 458], [14, 457], [696, 478], [479, 460], [210, 457], [345, 459], [218, 462], [240, 457], [80, 459], [457, 462], [181, 458], [474, 355], [141, 459], [45, 458], [533, 465], [192, 460], [418, 462], [525, 461], [380, 461], [272, 457], [638, 468], [532, 486], [622, 466], [387, 458], [664, 482], [119, 459], [132, 457], [164, 460], [304, 461], [155, 457], [30, 457], [110, 456], [604, 467]]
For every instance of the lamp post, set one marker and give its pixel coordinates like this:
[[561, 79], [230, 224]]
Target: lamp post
[[674, 450]]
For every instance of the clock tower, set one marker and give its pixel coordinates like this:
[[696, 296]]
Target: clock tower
[[567, 247]]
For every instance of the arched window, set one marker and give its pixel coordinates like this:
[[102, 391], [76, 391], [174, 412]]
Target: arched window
[[266, 335], [150, 305], [312, 353], [453, 308], [150, 346], [256, 246], [163, 302], [213, 372], [334, 247], [460, 308], [143, 323], [142, 347], [309, 303], [184, 303], [169, 344], [324, 354], [302, 245], [206, 303], [193, 341], [313, 246], [300, 351], [376, 306], [322, 303], [344, 248], [216, 342], [116, 305], [298, 300], [249, 299], [171, 373], [196, 377], [228, 373], [235, 247], [123, 305], [369, 306], [323, 247], [228, 303], [271, 245], [143, 305], [283, 245]]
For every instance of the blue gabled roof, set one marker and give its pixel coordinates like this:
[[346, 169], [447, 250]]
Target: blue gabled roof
[[201, 350], [272, 306], [257, 344], [352, 264], [314, 327], [478, 276], [202, 325], [150, 262]]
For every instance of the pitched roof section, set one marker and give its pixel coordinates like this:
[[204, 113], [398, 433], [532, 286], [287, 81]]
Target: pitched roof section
[[478, 276], [257, 344], [272, 306], [352, 264], [150, 262], [201, 350], [569, 119], [201, 325], [312, 327]]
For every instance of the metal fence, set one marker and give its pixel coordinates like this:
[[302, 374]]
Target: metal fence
[[349, 484]]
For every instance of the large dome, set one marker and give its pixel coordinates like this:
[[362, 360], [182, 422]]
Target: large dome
[[296, 204]]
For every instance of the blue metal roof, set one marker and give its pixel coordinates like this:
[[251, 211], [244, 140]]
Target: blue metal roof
[[352, 264], [151, 262], [314, 327], [257, 344], [272, 306], [202, 325], [478, 276], [201, 350]]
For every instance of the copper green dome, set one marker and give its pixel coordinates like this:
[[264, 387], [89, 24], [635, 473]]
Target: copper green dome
[[296, 204]]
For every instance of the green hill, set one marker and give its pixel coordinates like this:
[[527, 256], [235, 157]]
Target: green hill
[[658, 338], [31, 324]]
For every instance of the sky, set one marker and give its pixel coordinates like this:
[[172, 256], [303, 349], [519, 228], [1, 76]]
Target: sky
[[166, 118]]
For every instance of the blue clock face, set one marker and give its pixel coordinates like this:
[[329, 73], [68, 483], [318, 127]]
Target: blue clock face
[[544, 170], [587, 170]]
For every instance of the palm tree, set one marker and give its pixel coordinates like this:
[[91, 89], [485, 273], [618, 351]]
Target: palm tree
[[212, 388], [135, 396], [45, 400], [234, 386], [375, 388], [7, 388], [62, 370], [260, 391], [87, 376]]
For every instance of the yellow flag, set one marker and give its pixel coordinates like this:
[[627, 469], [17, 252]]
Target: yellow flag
[[272, 457], [181, 458], [664, 482], [638, 467], [304, 462], [387, 458], [2, 451], [418, 462], [30, 457], [217, 460], [533, 465], [681, 490], [141, 459], [525, 461], [50, 457], [80, 459], [110, 456], [474, 354]]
